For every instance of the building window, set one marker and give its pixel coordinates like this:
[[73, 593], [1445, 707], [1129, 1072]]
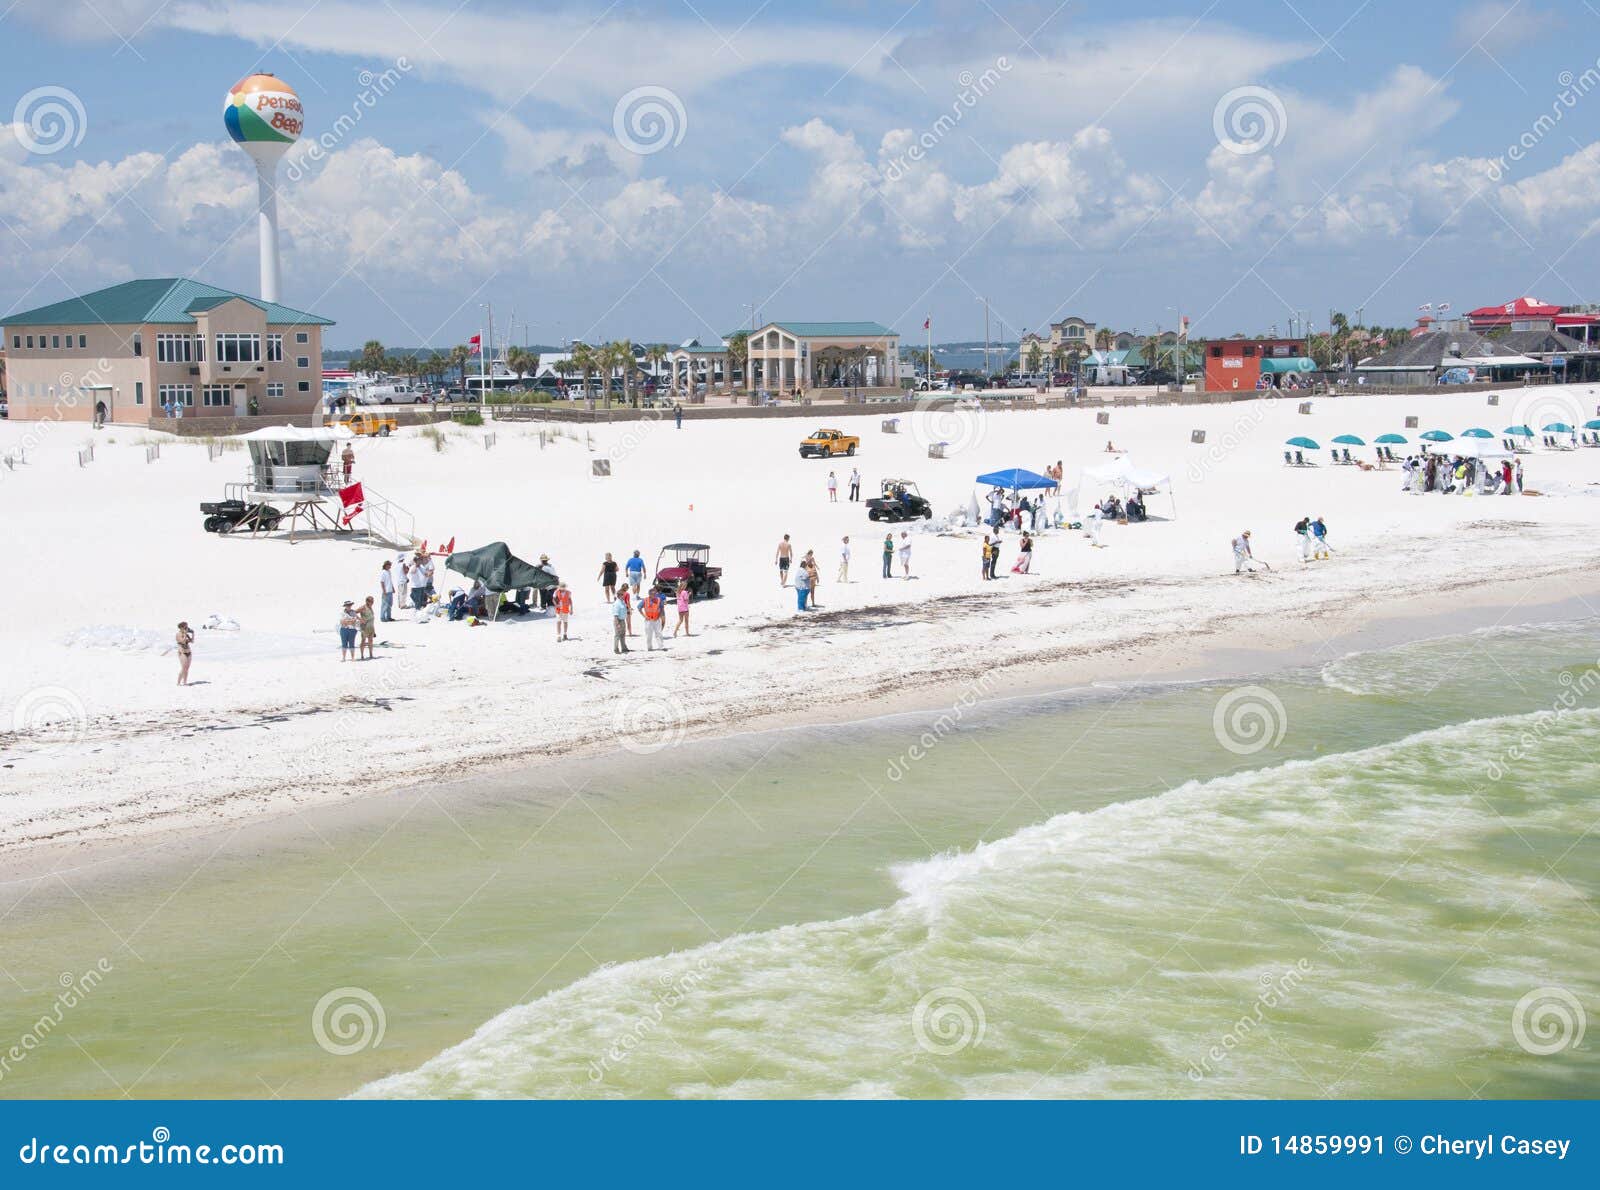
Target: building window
[[138, 344], [178, 349], [83, 340], [302, 337], [1250, 350], [55, 342], [16, 342], [1216, 353], [302, 361], [217, 394], [138, 392], [304, 386], [235, 348], [275, 388], [175, 394], [274, 349], [30, 342]]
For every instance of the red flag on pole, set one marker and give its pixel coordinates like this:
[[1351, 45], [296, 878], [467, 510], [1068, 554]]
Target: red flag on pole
[[926, 323], [476, 343], [352, 498]]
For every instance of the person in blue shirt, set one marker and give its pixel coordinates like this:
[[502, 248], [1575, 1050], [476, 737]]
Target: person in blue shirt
[[635, 569], [619, 625]]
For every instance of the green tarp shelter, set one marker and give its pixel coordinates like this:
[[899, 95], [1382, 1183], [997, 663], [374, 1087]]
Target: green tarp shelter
[[499, 568]]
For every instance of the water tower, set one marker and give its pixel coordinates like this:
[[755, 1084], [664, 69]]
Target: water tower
[[264, 117]]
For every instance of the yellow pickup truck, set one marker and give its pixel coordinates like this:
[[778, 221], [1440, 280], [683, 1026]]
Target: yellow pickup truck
[[372, 425], [824, 444]]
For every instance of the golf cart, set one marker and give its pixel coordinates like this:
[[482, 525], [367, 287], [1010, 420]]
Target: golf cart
[[224, 516], [689, 563], [899, 501]]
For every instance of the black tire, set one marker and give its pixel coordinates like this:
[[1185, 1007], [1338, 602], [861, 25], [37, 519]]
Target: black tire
[[213, 524], [873, 515], [388, 400], [383, 431], [927, 514], [713, 589], [850, 450]]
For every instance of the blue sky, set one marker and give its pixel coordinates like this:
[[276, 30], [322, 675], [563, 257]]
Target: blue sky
[[800, 165]]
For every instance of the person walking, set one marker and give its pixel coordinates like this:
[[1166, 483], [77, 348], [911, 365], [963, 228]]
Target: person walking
[[1242, 554], [802, 587], [608, 577], [619, 624], [844, 560], [785, 556], [855, 484], [683, 610], [833, 488], [654, 610], [185, 643], [563, 604], [1024, 562], [402, 582], [888, 555], [349, 625], [905, 554], [635, 568], [386, 590]]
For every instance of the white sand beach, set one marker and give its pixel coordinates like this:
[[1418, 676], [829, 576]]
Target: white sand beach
[[98, 745]]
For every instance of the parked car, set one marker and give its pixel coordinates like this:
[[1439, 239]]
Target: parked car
[[898, 500], [366, 423], [824, 444]]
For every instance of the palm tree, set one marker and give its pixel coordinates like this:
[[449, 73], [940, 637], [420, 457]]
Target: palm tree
[[410, 367], [586, 360], [657, 354], [1103, 339], [437, 365], [1034, 356], [566, 368], [738, 357], [459, 355], [371, 357]]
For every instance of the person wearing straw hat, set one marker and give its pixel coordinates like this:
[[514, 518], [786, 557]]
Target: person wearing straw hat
[[1242, 554]]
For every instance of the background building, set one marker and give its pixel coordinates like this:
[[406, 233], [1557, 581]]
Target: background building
[[1238, 365], [123, 354], [793, 357]]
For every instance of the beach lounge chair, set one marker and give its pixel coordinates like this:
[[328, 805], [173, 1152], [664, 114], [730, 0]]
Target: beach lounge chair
[[1288, 461], [1334, 451], [1300, 460], [1347, 459]]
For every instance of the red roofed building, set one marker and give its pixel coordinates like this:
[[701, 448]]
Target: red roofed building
[[1583, 327]]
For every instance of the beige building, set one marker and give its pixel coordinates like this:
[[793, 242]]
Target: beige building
[[796, 357], [134, 351]]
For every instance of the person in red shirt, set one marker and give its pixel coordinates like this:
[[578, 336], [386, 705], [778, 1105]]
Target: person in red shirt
[[563, 604]]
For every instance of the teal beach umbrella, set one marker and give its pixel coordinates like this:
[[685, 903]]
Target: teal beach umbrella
[[1518, 431], [1391, 439], [1592, 425], [1303, 444], [1437, 436], [1476, 432], [1558, 427], [1349, 440]]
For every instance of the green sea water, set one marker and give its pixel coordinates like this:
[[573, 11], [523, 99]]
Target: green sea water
[[1375, 877]]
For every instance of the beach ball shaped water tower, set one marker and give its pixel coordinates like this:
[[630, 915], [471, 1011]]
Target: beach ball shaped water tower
[[264, 117]]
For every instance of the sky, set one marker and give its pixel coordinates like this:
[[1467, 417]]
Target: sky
[[668, 171]]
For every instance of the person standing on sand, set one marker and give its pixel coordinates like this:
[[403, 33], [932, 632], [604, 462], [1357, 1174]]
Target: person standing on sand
[[1242, 553], [986, 574], [1319, 536], [655, 611], [403, 582], [619, 625], [635, 568], [855, 483], [1024, 562], [683, 610], [905, 553], [563, 610], [349, 625], [813, 576], [386, 591], [608, 577], [1302, 530], [802, 587], [677, 416], [185, 642], [347, 459], [888, 555], [785, 556], [844, 560], [627, 602], [833, 488], [369, 629], [1519, 475]]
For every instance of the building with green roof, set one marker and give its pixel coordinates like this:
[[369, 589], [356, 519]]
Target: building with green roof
[[158, 347], [792, 358]]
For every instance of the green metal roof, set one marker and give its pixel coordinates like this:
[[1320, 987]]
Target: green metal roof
[[835, 330], [166, 300]]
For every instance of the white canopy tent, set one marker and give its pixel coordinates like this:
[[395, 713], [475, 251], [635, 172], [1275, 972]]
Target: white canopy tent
[[1477, 448], [1124, 474]]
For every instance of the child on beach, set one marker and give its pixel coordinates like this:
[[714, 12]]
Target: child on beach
[[563, 610], [844, 561], [833, 488], [683, 610], [185, 651]]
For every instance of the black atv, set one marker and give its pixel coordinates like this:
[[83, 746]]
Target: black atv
[[224, 516], [899, 501]]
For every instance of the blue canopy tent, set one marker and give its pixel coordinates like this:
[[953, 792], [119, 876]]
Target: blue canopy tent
[[1016, 479]]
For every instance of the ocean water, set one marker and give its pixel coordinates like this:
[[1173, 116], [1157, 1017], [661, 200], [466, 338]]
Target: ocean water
[[1373, 877]]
